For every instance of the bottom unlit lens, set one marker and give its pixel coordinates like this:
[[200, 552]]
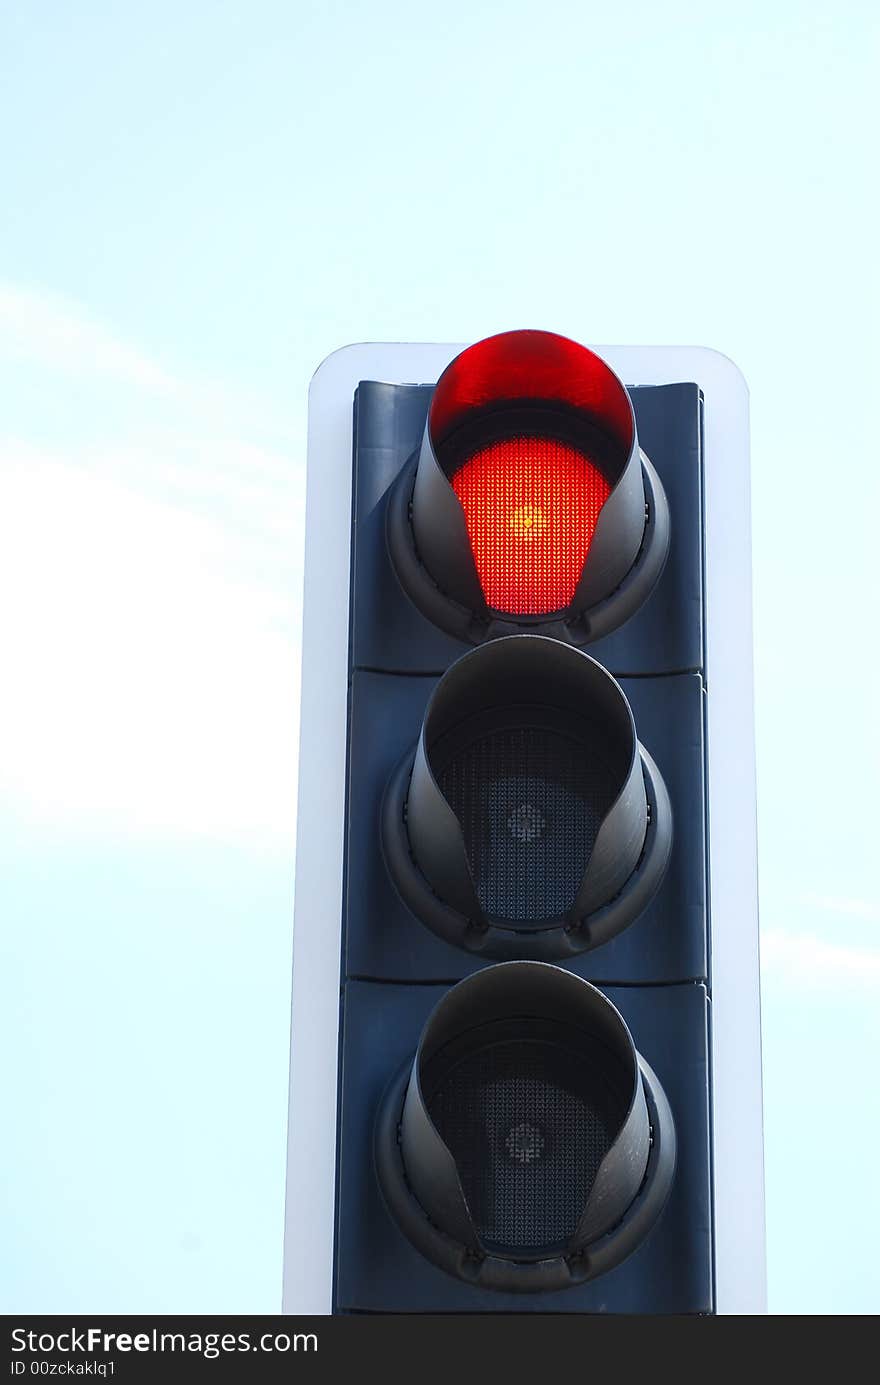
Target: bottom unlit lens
[[528, 1146]]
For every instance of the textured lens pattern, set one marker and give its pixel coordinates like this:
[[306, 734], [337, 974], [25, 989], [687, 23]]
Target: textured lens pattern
[[528, 1125], [531, 506], [530, 802]]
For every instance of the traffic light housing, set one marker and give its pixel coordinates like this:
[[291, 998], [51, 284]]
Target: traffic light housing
[[529, 1148], [530, 504], [528, 822], [506, 795]]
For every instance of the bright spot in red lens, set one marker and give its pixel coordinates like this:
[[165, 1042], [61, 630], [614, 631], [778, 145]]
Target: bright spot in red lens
[[531, 506]]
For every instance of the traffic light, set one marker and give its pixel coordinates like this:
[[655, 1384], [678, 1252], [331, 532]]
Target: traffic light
[[529, 504], [528, 822], [529, 1148], [525, 1053]]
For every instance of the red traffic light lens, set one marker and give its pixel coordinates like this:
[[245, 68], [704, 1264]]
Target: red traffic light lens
[[532, 432], [531, 505]]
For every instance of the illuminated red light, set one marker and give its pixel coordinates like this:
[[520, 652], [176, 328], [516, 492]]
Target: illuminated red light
[[531, 506]]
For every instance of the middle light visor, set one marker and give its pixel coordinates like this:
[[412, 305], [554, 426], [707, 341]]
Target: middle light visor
[[527, 807]]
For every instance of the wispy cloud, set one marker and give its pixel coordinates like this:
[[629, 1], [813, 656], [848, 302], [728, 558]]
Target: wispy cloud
[[850, 906], [151, 679], [58, 334], [805, 960], [59, 337], [150, 579]]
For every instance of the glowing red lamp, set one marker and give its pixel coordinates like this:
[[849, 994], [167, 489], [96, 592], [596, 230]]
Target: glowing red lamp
[[530, 503]]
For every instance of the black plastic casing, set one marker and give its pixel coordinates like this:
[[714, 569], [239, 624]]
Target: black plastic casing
[[380, 1270], [390, 633], [419, 1176], [528, 676], [395, 969]]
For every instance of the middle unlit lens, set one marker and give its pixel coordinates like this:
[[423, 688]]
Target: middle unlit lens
[[529, 821], [530, 800]]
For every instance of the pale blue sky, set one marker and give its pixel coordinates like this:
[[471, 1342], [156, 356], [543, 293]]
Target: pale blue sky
[[200, 201]]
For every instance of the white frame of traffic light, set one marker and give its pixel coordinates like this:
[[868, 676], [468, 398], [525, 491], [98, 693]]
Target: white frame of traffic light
[[738, 1173]]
